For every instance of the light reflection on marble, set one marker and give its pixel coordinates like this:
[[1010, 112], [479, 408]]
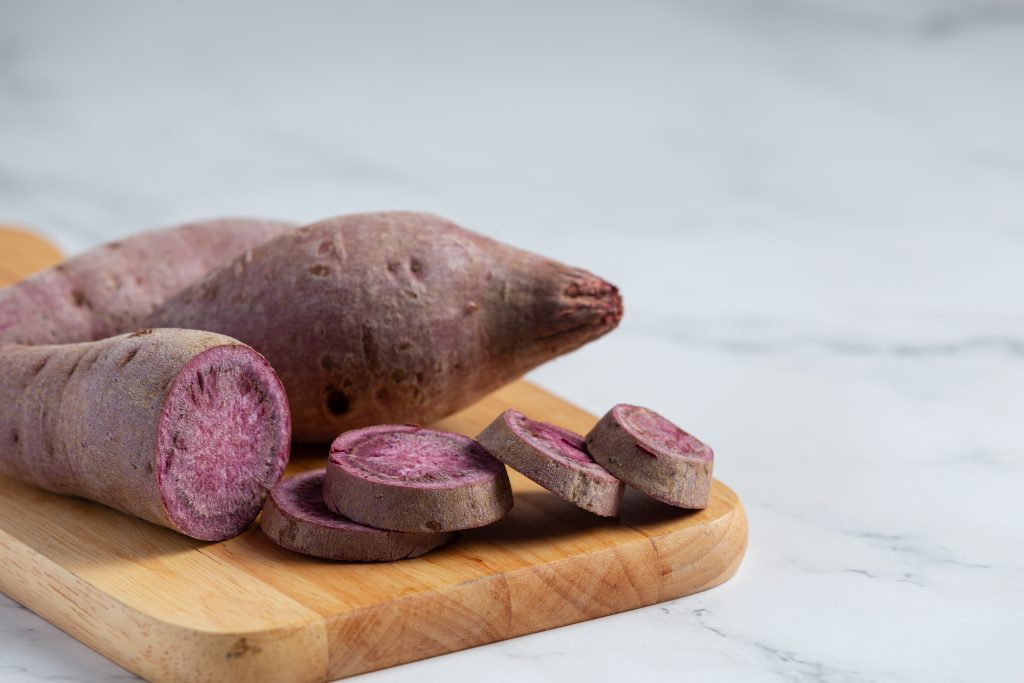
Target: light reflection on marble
[[815, 211]]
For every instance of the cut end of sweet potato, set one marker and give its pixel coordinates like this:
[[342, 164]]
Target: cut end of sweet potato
[[223, 442]]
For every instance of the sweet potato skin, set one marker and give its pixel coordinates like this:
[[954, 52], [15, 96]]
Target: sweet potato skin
[[108, 290], [394, 317], [92, 420]]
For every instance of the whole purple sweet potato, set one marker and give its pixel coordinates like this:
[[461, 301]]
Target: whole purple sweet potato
[[109, 289], [394, 317], [185, 429]]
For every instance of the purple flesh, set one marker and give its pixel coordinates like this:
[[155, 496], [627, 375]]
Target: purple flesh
[[655, 432], [566, 443], [220, 445], [407, 478], [414, 457], [563, 442]]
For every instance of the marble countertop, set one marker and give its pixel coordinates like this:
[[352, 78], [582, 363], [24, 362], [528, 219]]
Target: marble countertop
[[815, 212]]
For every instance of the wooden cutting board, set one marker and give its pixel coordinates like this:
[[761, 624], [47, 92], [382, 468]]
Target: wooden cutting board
[[23, 253], [170, 608]]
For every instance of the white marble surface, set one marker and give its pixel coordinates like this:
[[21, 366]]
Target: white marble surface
[[815, 211]]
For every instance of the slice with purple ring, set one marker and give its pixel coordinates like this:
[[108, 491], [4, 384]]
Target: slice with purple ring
[[407, 478], [651, 454], [297, 518], [555, 458]]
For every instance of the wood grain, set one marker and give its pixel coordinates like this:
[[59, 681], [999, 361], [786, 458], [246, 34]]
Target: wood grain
[[170, 608]]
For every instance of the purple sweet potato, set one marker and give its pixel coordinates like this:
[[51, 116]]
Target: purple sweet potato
[[407, 478], [555, 458], [185, 429], [394, 317], [109, 289], [651, 454], [297, 518]]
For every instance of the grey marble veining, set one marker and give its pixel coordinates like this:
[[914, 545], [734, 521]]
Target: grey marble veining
[[815, 211]]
